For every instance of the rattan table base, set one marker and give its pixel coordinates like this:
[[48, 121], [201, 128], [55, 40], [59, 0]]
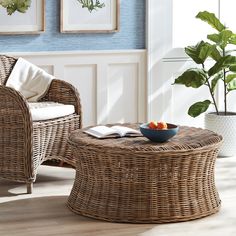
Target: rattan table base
[[135, 180]]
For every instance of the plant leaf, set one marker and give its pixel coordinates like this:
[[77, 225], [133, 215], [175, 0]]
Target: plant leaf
[[232, 68], [224, 62], [232, 85], [215, 54], [215, 81], [199, 52], [230, 77], [198, 108], [214, 37], [192, 78], [211, 19], [225, 35], [205, 51], [219, 65], [232, 40], [222, 39], [230, 60], [194, 51]]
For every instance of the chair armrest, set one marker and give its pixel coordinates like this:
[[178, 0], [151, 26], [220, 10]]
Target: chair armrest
[[63, 92], [13, 103], [6, 65], [16, 133]]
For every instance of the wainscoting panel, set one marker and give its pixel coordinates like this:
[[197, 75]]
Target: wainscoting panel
[[112, 84], [83, 77], [123, 93]]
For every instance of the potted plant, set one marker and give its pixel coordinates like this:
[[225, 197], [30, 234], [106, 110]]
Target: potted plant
[[221, 73]]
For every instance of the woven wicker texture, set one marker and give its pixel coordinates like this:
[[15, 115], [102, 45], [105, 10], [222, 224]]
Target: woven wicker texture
[[136, 180], [6, 66], [24, 144]]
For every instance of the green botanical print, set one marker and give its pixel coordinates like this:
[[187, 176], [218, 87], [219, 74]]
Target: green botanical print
[[91, 4], [15, 5]]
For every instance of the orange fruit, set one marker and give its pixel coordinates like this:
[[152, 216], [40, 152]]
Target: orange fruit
[[152, 125], [161, 125]]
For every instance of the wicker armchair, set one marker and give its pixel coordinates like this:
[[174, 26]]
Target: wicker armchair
[[25, 144]]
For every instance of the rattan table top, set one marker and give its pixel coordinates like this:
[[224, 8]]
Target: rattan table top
[[188, 138]]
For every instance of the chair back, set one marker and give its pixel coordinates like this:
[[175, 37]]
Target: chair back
[[6, 65]]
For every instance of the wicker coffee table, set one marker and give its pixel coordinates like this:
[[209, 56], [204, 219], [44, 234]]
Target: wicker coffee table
[[136, 180]]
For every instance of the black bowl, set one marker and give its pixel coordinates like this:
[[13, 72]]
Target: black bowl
[[159, 135]]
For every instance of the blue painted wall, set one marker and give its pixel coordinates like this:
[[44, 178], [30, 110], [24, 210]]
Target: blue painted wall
[[131, 35]]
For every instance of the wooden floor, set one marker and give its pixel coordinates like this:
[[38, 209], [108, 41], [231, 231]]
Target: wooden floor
[[45, 212]]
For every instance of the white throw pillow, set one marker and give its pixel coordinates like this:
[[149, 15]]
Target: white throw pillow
[[49, 110]]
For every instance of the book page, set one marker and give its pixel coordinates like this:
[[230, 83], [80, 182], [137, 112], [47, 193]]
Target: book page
[[101, 131], [123, 131]]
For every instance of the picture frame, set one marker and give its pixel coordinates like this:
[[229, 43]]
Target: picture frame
[[77, 17], [30, 22]]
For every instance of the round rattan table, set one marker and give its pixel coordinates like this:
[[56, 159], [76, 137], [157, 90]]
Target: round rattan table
[[139, 181]]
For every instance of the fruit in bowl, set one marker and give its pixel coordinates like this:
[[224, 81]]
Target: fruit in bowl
[[158, 131], [152, 125], [157, 125]]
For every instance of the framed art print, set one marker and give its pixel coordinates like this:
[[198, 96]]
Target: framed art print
[[30, 20], [89, 16]]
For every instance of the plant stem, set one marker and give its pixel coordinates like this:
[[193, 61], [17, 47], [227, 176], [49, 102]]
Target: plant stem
[[213, 98], [225, 87], [212, 94]]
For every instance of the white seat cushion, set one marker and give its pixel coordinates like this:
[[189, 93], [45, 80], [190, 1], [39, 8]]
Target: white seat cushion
[[49, 110]]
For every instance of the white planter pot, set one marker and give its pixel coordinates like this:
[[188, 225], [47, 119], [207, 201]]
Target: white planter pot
[[225, 126]]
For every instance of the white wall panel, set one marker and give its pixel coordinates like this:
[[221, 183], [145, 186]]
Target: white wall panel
[[112, 84], [48, 68], [123, 93], [83, 77]]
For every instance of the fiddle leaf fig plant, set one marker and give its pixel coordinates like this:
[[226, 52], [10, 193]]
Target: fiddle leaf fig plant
[[223, 70], [15, 5]]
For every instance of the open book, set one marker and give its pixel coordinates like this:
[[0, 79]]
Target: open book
[[110, 132]]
